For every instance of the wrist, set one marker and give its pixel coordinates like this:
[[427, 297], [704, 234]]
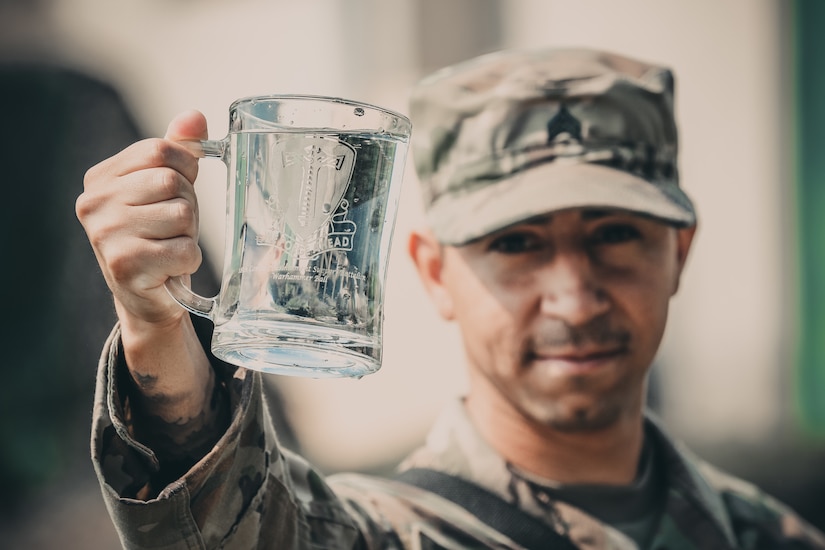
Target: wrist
[[178, 439], [168, 366]]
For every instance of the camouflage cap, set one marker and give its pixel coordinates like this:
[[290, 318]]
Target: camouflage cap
[[516, 134]]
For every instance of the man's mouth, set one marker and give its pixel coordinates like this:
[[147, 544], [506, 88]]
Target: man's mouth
[[563, 349], [577, 361]]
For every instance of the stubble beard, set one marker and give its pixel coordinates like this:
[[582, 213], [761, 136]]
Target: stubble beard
[[604, 408], [583, 419]]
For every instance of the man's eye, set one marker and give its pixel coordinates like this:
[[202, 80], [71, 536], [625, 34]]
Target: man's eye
[[616, 234], [515, 243]]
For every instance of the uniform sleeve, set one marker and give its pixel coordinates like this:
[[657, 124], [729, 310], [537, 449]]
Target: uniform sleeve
[[245, 493]]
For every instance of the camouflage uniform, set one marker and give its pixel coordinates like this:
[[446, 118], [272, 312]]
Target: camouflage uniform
[[248, 492]]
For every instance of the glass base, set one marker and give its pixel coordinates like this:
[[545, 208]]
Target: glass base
[[291, 349]]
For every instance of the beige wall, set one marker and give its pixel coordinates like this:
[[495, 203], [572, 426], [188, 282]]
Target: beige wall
[[729, 327]]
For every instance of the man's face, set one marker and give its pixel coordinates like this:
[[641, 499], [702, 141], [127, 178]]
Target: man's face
[[561, 316]]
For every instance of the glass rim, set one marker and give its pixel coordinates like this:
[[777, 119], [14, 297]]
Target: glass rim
[[320, 99]]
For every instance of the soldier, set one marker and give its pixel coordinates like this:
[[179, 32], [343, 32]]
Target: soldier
[[558, 232]]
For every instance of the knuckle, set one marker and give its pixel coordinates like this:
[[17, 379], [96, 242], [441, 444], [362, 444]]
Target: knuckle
[[180, 255], [183, 212], [158, 151], [121, 265], [190, 254], [168, 181], [194, 259], [82, 207]]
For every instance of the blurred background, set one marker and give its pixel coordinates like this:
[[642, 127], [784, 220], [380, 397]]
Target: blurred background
[[741, 373]]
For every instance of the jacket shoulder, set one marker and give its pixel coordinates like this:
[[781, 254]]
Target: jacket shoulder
[[760, 520], [390, 510]]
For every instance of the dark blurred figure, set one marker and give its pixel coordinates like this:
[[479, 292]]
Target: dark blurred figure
[[58, 311], [56, 123]]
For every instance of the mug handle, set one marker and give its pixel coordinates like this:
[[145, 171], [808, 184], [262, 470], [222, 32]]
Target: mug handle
[[176, 286]]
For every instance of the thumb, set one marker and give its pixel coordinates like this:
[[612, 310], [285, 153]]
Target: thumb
[[188, 125]]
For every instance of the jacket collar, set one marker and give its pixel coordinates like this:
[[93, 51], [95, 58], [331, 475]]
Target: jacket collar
[[456, 447]]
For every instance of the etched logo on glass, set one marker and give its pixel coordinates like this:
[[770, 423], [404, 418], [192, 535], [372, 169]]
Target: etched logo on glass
[[310, 218]]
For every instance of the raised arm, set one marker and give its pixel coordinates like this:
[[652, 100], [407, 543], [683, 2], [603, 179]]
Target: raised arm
[[185, 450], [140, 213]]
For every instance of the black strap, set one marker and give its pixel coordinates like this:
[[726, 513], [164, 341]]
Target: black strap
[[506, 518]]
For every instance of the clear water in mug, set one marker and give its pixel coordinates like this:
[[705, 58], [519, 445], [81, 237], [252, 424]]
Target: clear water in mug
[[303, 292]]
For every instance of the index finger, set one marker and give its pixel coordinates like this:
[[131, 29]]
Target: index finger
[[154, 153]]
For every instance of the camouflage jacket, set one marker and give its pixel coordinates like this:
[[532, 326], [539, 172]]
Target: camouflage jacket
[[249, 493]]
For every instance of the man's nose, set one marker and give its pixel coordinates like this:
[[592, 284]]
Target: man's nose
[[570, 289]]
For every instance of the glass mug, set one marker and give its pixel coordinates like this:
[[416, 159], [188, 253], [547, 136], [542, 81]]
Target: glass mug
[[312, 192]]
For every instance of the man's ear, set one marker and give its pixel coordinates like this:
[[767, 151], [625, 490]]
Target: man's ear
[[428, 256], [684, 240]]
